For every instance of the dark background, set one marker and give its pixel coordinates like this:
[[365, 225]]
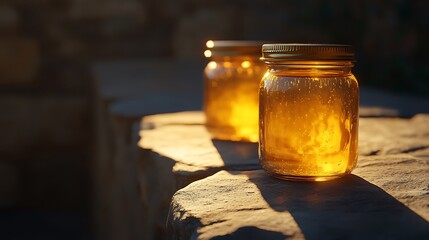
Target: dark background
[[46, 86]]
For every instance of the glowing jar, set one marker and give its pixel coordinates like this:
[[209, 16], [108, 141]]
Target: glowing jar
[[231, 82], [308, 115]]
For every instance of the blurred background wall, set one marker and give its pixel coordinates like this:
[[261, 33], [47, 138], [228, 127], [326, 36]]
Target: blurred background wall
[[48, 46]]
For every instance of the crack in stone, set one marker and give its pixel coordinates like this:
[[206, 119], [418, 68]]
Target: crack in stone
[[215, 222], [373, 153], [414, 149], [250, 209], [410, 150]]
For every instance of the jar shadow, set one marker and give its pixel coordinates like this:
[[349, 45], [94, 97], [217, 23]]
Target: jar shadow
[[346, 208], [238, 155]]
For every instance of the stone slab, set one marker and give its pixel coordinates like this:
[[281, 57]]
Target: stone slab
[[182, 138], [385, 198], [191, 145], [126, 90], [161, 175], [177, 118], [176, 150]]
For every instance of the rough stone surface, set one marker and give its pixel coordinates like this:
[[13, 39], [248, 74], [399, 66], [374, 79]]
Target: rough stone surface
[[178, 118], [182, 138], [161, 176], [403, 176], [179, 145], [191, 145], [177, 150], [252, 205], [380, 136]]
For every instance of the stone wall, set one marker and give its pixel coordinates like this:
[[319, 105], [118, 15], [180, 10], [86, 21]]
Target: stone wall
[[44, 99], [390, 36]]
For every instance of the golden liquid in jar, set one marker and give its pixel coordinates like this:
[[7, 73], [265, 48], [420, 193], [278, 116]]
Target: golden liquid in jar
[[231, 99], [308, 126]]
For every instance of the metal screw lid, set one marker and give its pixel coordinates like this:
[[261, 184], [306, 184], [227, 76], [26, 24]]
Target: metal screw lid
[[233, 48], [304, 52]]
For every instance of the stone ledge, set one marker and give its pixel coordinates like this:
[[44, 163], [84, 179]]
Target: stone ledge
[[183, 138], [176, 150], [372, 203]]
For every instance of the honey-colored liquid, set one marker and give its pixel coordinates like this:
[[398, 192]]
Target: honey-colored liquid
[[231, 99], [308, 126]]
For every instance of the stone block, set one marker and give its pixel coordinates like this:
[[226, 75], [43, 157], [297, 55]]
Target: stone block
[[33, 124], [54, 182], [147, 89], [9, 20], [9, 177], [65, 75], [189, 148], [252, 205], [159, 82], [106, 9], [180, 143], [19, 60], [176, 150]]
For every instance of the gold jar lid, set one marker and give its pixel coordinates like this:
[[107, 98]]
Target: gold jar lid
[[222, 48], [307, 52]]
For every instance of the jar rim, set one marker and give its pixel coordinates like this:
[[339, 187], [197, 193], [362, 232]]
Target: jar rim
[[280, 52]]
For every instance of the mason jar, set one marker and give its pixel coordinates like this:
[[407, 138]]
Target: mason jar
[[231, 81], [308, 111]]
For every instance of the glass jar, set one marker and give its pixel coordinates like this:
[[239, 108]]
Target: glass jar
[[232, 80], [308, 112]]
